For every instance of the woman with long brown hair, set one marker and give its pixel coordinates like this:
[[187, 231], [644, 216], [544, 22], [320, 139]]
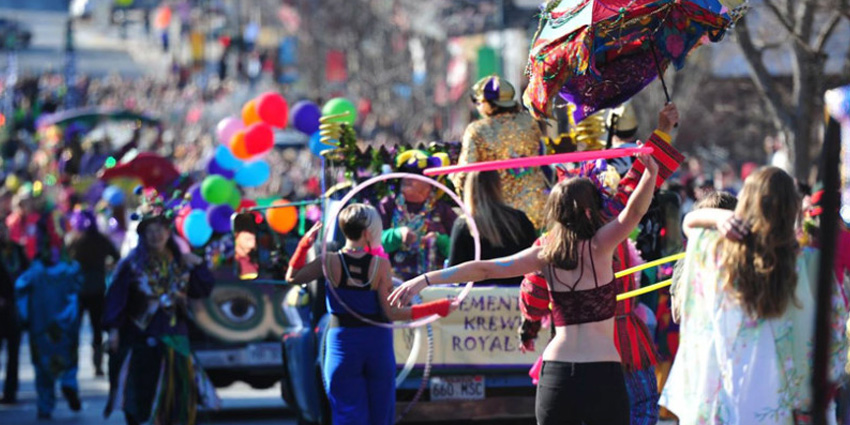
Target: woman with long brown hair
[[503, 230], [747, 312], [582, 377]]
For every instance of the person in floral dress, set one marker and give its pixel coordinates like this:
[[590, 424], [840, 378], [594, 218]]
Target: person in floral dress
[[748, 313]]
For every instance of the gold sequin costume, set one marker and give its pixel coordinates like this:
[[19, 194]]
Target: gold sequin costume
[[506, 136]]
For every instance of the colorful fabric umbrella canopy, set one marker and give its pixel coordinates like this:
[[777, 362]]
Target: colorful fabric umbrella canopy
[[599, 53]]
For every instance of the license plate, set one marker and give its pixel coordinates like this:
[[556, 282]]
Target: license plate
[[457, 388], [263, 354], [266, 354]]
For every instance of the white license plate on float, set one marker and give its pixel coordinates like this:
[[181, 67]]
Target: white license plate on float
[[457, 388]]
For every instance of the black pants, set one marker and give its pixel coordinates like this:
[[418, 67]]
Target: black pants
[[582, 393], [94, 305], [13, 347]]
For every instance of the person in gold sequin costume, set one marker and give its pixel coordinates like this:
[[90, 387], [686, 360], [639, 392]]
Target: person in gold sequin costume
[[505, 132]]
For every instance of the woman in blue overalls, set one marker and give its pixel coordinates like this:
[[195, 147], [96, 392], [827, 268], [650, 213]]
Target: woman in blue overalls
[[359, 367]]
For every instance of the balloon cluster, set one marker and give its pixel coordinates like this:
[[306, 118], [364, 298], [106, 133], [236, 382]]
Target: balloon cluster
[[237, 162]]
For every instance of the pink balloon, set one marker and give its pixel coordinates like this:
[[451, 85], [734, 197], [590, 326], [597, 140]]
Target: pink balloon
[[227, 127]]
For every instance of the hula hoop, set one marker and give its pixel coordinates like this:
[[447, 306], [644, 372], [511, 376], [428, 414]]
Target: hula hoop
[[641, 291], [650, 264], [473, 230], [535, 161]]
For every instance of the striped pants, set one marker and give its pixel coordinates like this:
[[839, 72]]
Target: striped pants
[[642, 388]]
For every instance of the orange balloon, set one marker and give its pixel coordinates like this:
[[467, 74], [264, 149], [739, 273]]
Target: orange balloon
[[238, 146], [249, 113], [282, 220], [163, 18]]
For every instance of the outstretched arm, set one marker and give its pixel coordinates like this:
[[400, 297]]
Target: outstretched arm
[[518, 264]]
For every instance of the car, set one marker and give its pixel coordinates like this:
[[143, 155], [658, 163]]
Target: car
[[14, 34], [236, 331]]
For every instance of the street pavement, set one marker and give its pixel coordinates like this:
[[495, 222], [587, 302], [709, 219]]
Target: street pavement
[[240, 403], [99, 48]]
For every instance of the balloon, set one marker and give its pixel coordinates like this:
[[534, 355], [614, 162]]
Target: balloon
[[253, 174], [304, 116], [113, 196], [224, 157], [214, 168], [259, 138], [316, 145], [235, 199], [196, 228], [227, 127], [273, 110], [339, 105], [219, 218], [12, 183], [282, 220], [163, 18], [249, 112], [217, 190], [238, 147], [246, 204], [180, 219], [196, 199]]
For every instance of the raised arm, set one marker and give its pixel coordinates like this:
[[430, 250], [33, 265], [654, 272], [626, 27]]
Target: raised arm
[[518, 264], [299, 272], [610, 235], [721, 220]]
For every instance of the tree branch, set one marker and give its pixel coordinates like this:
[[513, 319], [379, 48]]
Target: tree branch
[[827, 31], [765, 84], [783, 20], [780, 16]]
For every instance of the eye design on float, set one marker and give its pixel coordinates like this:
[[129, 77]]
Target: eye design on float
[[238, 310]]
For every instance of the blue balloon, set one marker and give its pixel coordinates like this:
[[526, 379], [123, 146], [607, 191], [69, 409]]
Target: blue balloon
[[213, 167], [219, 218], [196, 228], [197, 201], [225, 158], [304, 116], [113, 195], [253, 174], [316, 145]]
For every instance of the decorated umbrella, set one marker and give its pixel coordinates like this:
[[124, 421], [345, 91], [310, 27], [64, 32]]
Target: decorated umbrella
[[599, 53]]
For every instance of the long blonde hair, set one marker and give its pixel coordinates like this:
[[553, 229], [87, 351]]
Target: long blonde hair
[[483, 195], [573, 214], [761, 269]]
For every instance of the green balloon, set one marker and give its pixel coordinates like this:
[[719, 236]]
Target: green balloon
[[235, 199], [217, 190], [340, 105], [264, 202]]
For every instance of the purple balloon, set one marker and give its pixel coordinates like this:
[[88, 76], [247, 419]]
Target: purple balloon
[[226, 128], [213, 167], [304, 116], [197, 201], [219, 218]]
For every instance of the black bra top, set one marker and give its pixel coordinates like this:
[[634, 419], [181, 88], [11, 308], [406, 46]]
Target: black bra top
[[357, 268], [574, 307]]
